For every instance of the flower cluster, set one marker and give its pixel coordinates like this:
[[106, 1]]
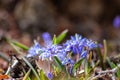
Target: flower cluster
[[75, 46], [79, 45]]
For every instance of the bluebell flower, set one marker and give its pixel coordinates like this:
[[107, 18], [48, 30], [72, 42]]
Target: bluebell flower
[[51, 51], [73, 44], [49, 75], [77, 45], [116, 22], [91, 44], [61, 55], [76, 37], [34, 50], [84, 54], [67, 61], [47, 38], [46, 54]]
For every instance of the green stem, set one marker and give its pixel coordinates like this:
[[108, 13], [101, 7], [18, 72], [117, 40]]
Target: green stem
[[105, 50], [100, 57]]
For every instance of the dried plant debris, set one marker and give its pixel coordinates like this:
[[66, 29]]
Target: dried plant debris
[[18, 67]]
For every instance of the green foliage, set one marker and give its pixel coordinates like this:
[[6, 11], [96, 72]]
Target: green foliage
[[57, 40], [42, 75], [26, 77], [61, 36], [33, 69], [105, 50], [100, 57], [113, 65], [77, 64], [59, 64], [87, 67], [22, 46], [54, 40], [64, 76]]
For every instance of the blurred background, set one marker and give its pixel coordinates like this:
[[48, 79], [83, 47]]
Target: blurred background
[[24, 20]]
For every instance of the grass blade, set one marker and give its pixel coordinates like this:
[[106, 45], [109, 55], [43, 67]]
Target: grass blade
[[34, 71], [105, 50], [54, 40], [27, 75], [76, 65], [59, 64], [20, 45], [42, 75], [112, 65], [100, 57], [61, 36]]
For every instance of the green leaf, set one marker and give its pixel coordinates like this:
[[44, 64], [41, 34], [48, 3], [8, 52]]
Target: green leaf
[[34, 71], [56, 69], [57, 40], [76, 65], [105, 50], [59, 64], [87, 67], [42, 75], [64, 76], [54, 40], [112, 65], [92, 69], [20, 45], [61, 36], [100, 57], [118, 73], [26, 77]]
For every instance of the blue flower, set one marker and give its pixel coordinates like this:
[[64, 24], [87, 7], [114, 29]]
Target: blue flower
[[34, 50], [116, 22], [91, 44], [47, 38], [77, 45], [50, 76], [45, 55], [84, 54], [61, 55], [67, 61]]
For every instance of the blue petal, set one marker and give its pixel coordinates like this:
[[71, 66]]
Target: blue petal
[[84, 53], [47, 38], [50, 76], [116, 22]]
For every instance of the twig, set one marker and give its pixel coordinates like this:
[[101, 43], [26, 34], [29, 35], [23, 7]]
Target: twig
[[9, 68], [110, 71], [98, 76], [103, 73]]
